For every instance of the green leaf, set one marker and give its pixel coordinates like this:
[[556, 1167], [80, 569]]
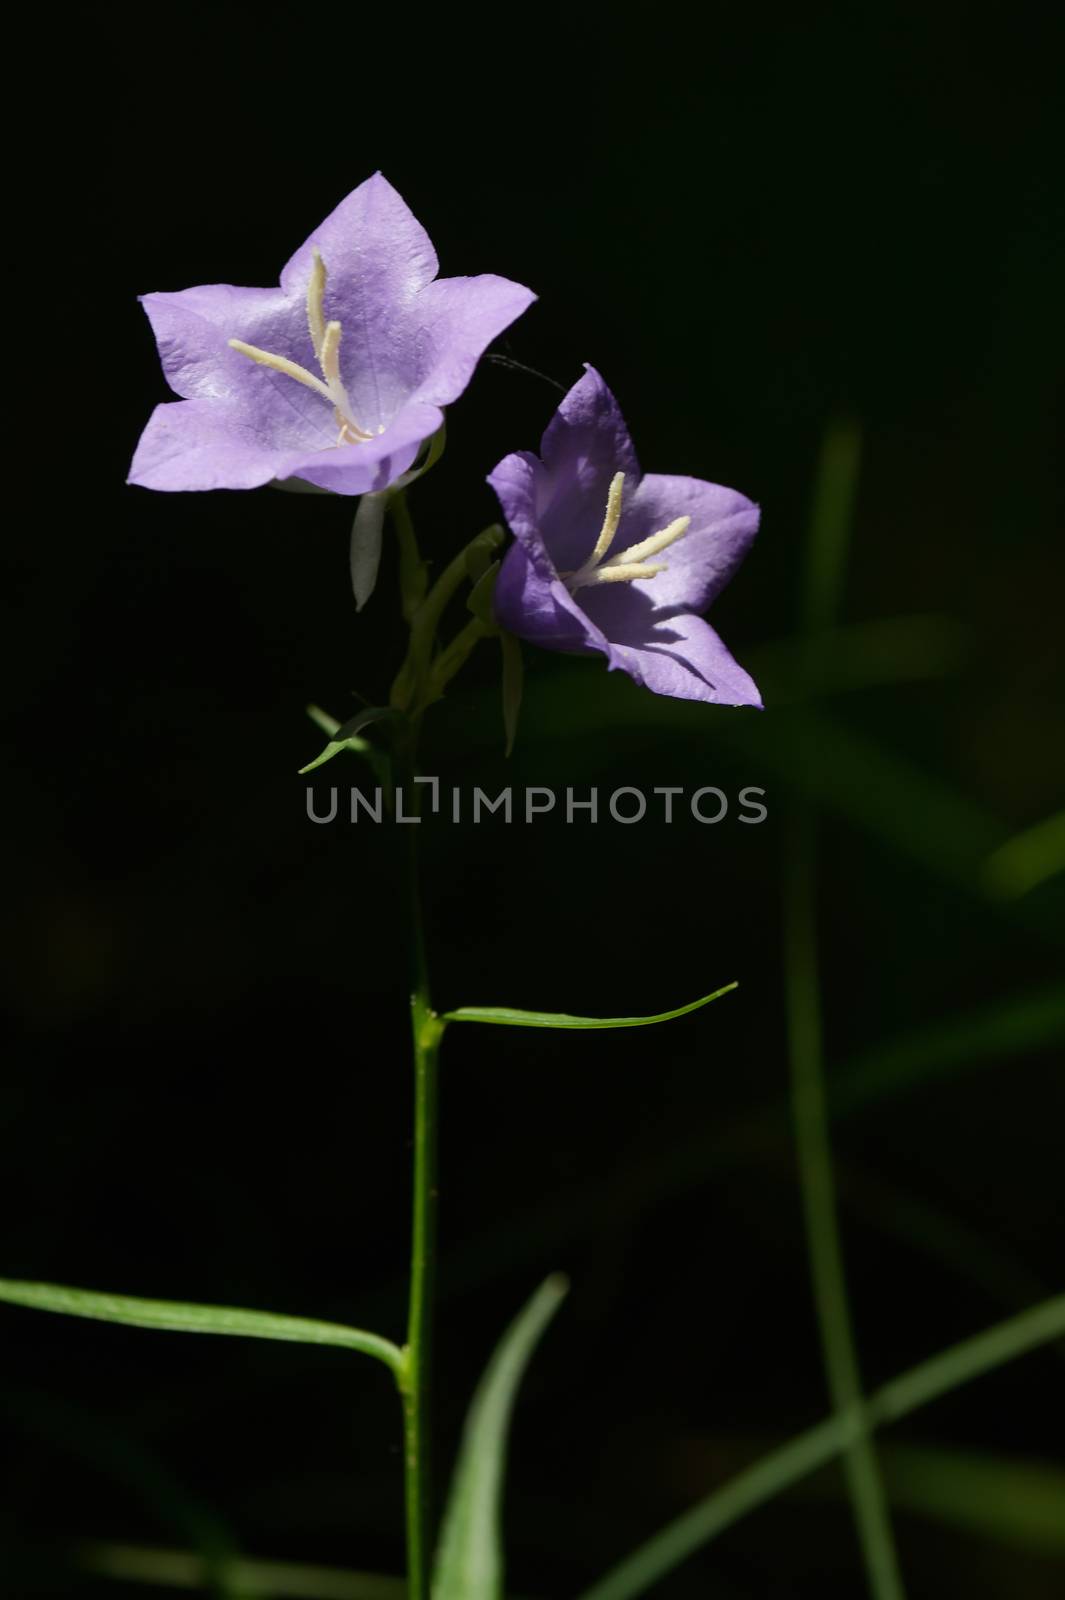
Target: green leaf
[[1010, 1499], [1028, 860], [177, 1316], [329, 726], [508, 1017], [960, 1364], [479, 599], [991, 1033], [344, 736], [279, 1580], [469, 1564]]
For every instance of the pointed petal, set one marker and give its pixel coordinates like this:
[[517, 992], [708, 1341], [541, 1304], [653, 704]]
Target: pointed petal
[[585, 444], [372, 236], [378, 258], [541, 609], [529, 599], [698, 566], [588, 427], [192, 328], [459, 318], [205, 444], [684, 658]]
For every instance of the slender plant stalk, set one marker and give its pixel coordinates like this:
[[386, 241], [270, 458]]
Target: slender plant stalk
[[793, 1461], [826, 552], [426, 1032], [413, 574], [810, 1109]]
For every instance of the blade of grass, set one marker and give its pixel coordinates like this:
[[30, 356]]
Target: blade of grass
[[930, 1380], [831, 516], [1006, 1028], [1012, 1500], [469, 1564], [826, 555], [1027, 860], [109, 1452], [817, 1185], [273, 1580]]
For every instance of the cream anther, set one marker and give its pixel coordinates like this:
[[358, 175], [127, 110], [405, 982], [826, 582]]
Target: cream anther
[[627, 565]]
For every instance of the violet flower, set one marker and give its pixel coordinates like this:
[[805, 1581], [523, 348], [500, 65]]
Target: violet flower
[[336, 377], [584, 574]]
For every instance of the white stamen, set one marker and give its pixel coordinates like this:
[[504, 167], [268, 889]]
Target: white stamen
[[610, 521], [330, 355], [325, 337], [315, 299], [656, 542], [280, 364], [617, 574], [628, 565]]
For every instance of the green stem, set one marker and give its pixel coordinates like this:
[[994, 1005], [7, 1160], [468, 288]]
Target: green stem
[[413, 573], [837, 482], [810, 1110], [407, 690], [452, 659], [426, 1032]]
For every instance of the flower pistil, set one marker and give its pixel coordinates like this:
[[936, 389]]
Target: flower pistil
[[325, 337]]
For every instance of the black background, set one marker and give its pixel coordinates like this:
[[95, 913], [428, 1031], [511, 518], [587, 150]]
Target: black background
[[752, 226]]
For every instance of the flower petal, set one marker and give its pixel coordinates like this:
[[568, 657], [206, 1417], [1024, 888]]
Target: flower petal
[[457, 320], [372, 237], [723, 525], [541, 609], [378, 258], [684, 657], [585, 444], [370, 466], [205, 444], [517, 483], [588, 427], [192, 328], [529, 599]]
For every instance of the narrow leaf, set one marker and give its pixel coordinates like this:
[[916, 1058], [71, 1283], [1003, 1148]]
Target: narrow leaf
[[345, 735], [176, 1316], [1006, 1341], [508, 1017], [469, 1563], [479, 599], [281, 1580], [330, 725], [1029, 859], [1016, 1501]]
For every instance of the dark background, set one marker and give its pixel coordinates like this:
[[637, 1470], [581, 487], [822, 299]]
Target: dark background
[[754, 227]]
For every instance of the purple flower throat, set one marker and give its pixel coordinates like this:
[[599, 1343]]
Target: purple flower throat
[[325, 337]]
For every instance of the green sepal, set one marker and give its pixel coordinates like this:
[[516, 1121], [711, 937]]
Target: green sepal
[[480, 551], [479, 599]]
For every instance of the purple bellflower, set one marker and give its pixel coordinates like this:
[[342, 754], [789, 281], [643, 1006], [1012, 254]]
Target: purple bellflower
[[584, 573], [337, 377]]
